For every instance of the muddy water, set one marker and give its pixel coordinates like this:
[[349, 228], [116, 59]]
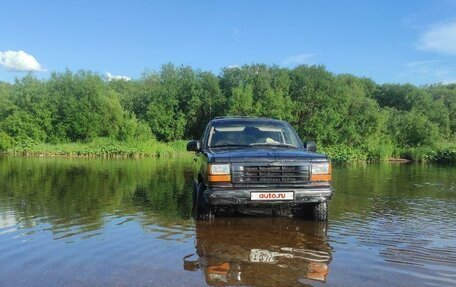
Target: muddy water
[[80, 222]]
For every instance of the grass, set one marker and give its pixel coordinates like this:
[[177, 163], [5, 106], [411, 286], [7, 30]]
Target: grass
[[440, 153], [343, 154], [101, 147], [106, 147], [445, 154]]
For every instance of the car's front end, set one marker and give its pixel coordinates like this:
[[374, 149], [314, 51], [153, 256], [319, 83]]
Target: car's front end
[[257, 182], [247, 163]]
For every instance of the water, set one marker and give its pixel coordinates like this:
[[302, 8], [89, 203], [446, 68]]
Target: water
[[93, 222]]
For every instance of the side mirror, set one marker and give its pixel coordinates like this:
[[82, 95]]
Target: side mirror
[[190, 265], [193, 146], [311, 146]]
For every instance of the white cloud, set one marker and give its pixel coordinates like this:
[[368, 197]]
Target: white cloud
[[440, 38], [449, 81], [233, 67], [427, 72], [19, 61], [298, 59], [427, 68], [111, 77]]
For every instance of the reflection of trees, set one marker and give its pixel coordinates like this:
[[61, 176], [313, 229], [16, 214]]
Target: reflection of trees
[[260, 251], [385, 189], [80, 192], [403, 212]]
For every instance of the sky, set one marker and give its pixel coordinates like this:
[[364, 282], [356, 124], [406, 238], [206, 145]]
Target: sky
[[387, 41]]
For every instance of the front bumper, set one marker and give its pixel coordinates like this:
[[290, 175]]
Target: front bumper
[[241, 196]]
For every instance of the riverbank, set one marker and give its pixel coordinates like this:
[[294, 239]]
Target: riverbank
[[444, 153], [105, 147], [101, 147]]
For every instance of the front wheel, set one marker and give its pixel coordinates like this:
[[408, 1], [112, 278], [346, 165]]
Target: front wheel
[[314, 211], [201, 209], [320, 211]]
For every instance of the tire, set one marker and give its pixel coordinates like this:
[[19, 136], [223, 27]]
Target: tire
[[302, 211], [319, 229], [281, 212], [314, 211], [320, 211], [194, 191], [201, 209]]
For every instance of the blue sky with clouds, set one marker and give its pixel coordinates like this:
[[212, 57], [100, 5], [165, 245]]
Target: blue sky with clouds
[[388, 41]]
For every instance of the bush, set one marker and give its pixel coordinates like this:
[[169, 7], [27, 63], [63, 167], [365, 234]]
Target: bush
[[445, 154], [23, 143], [342, 153], [379, 151], [104, 147], [418, 154], [413, 129], [5, 141]]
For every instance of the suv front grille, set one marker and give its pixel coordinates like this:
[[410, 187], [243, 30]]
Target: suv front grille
[[271, 174]]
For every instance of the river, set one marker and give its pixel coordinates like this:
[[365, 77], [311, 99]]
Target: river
[[99, 222]]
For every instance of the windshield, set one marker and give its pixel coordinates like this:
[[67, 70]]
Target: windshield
[[251, 134]]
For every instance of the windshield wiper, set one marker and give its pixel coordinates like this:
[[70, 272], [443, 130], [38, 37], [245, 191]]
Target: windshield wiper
[[229, 145], [274, 145]]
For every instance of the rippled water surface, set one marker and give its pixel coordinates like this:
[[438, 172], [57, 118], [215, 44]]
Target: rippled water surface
[[93, 222]]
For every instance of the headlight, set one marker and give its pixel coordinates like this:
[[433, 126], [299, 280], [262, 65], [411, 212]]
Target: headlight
[[218, 169], [320, 168], [321, 171]]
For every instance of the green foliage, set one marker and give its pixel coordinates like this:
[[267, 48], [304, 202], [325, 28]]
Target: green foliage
[[362, 121], [412, 129], [446, 96], [353, 118], [132, 129], [83, 107], [379, 151], [445, 154], [401, 97], [320, 104], [343, 153], [5, 141], [82, 191], [165, 126], [241, 101], [104, 147], [418, 154], [22, 125]]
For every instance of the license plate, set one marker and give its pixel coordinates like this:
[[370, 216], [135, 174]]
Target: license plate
[[262, 256], [266, 256], [286, 195]]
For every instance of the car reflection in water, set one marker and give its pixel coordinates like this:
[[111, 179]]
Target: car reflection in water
[[260, 251]]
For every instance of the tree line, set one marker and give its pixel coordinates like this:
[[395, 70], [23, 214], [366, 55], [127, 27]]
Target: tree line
[[176, 102]]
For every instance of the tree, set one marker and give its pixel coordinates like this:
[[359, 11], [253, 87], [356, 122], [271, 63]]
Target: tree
[[241, 101], [404, 127], [319, 103], [176, 102]]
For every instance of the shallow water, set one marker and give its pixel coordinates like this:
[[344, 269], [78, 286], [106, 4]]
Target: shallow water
[[93, 222]]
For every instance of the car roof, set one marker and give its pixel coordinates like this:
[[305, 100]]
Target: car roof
[[234, 120]]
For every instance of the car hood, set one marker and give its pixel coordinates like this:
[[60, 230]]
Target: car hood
[[262, 154]]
